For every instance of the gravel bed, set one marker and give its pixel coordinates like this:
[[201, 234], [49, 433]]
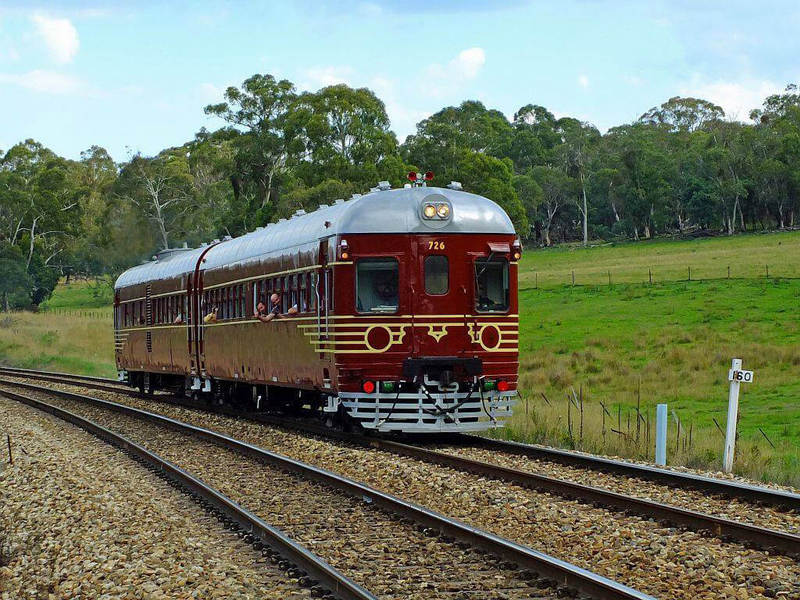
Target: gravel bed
[[389, 556], [665, 562], [721, 506], [80, 519]]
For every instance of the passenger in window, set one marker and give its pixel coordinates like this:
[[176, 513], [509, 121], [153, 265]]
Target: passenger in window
[[178, 319], [212, 316], [275, 312]]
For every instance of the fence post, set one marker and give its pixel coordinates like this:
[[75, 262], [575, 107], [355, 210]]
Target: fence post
[[661, 434], [573, 278], [690, 273], [650, 274], [733, 415]]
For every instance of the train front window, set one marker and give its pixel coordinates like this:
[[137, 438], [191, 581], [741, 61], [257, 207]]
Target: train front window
[[437, 275], [376, 285], [491, 284]]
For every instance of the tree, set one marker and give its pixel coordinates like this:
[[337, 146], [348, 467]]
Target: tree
[[442, 137], [557, 189], [345, 130], [160, 188], [683, 114], [577, 150], [261, 109], [15, 283], [493, 178]]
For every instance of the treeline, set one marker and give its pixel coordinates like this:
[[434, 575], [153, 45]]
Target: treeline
[[681, 167]]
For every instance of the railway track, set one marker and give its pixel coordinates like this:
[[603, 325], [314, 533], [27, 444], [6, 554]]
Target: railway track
[[395, 548], [770, 538], [286, 442], [728, 488], [253, 529]]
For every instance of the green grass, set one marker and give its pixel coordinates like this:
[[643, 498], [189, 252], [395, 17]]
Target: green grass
[[80, 295], [748, 256], [668, 342]]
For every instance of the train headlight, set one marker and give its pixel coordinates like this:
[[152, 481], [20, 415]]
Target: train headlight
[[388, 387], [443, 211], [368, 387], [502, 386], [429, 211]]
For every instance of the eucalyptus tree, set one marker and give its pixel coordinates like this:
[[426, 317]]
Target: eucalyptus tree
[[558, 190], [345, 131], [160, 189], [440, 139], [579, 144], [684, 114], [262, 110]]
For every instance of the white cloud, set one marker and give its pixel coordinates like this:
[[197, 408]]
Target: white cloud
[[583, 81], [469, 62], [210, 92], [737, 98], [59, 35], [443, 79], [317, 77], [49, 82]]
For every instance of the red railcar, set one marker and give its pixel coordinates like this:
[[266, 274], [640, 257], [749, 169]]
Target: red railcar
[[407, 316]]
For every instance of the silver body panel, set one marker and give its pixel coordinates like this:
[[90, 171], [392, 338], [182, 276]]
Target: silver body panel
[[379, 212]]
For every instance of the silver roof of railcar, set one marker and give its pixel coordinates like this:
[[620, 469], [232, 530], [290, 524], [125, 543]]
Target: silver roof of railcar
[[389, 211]]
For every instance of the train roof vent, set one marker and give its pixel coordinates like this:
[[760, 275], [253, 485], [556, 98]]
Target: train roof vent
[[455, 185], [339, 201], [384, 185], [281, 220], [355, 196], [227, 238], [299, 212], [321, 206]]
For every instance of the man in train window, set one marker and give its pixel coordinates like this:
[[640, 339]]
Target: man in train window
[[275, 312], [211, 317]]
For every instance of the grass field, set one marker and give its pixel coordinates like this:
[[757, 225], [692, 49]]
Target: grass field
[[671, 342], [71, 333]]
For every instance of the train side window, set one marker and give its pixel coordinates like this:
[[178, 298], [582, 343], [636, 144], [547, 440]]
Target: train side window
[[303, 306], [491, 284], [312, 292], [376, 285], [437, 275]]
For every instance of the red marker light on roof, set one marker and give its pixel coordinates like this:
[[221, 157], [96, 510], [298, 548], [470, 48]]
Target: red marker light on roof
[[412, 176], [368, 387], [428, 175], [502, 386]]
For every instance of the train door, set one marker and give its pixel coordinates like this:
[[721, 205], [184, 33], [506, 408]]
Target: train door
[[439, 297], [323, 289]]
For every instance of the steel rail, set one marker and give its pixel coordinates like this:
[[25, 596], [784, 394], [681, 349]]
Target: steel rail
[[544, 565], [33, 372], [732, 489], [765, 538], [257, 531]]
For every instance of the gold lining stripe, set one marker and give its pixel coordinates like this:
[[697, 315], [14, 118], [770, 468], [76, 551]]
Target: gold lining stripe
[[336, 263], [178, 293]]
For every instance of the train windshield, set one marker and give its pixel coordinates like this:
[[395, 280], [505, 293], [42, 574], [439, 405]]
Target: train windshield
[[376, 285], [491, 284]]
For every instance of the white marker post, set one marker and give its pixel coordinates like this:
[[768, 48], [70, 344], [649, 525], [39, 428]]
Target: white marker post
[[736, 376], [661, 434]]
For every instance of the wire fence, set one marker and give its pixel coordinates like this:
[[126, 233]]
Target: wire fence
[[599, 276], [98, 314]]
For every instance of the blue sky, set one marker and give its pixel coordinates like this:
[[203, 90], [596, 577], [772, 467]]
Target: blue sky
[[134, 76]]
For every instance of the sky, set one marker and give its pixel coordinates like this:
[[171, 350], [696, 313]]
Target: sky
[[134, 76]]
